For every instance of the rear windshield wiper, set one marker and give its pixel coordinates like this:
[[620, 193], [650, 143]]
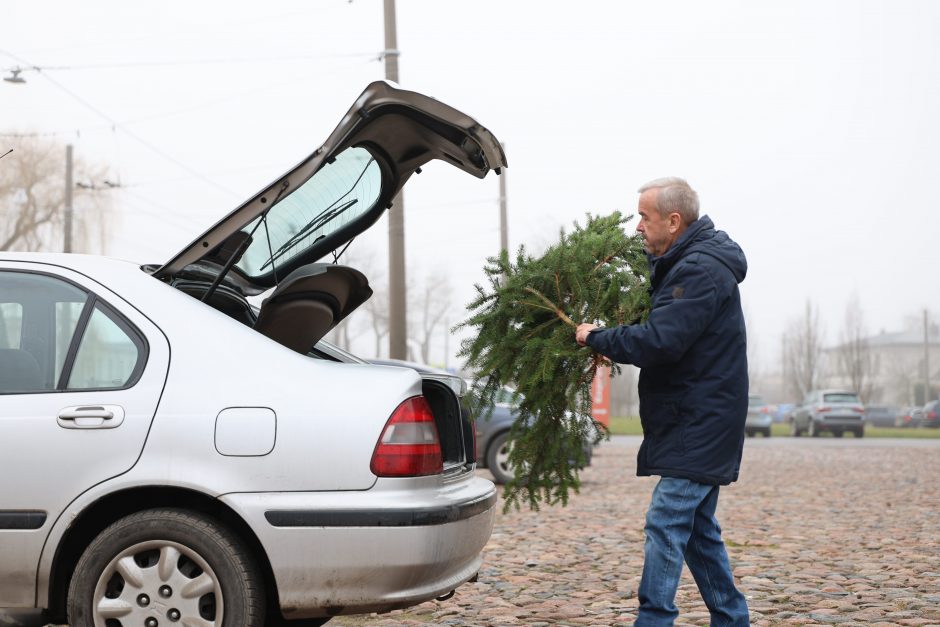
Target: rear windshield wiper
[[314, 224]]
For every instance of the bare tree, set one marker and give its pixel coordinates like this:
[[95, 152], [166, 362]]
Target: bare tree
[[803, 344], [856, 361], [32, 199], [430, 303]]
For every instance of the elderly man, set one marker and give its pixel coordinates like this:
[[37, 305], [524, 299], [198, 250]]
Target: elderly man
[[692, 354]]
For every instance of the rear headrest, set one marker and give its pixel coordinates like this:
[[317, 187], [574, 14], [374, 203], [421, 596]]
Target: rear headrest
[[309, 302], [19, 371]]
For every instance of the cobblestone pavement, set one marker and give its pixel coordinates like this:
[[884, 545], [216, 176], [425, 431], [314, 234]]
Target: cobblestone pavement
[[819, 531]]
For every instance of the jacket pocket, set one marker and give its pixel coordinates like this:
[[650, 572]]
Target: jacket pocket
[[659, 413], [663, 427]]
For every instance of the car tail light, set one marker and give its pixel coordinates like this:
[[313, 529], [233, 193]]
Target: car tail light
[[932, 414], [409, 445], [860, 410], [824, 409]]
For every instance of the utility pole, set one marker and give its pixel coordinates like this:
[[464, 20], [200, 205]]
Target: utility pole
[[397, 298], [67, 247], [503, 214], [927, 395]]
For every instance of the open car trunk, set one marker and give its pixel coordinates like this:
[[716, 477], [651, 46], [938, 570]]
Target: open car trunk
[[276, 238]]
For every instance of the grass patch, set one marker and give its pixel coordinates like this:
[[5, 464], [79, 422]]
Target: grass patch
[[625, 425], [630, 425]]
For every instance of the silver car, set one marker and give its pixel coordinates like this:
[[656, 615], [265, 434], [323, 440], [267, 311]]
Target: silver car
[[173, 455], [833, 410], [759, 417]]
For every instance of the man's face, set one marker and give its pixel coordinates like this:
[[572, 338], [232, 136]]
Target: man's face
[[659, 233]]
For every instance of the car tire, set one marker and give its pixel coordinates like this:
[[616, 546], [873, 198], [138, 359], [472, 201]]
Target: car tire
[[812, 430], [767, 432], [179, 561], [749, 433], [497, 459], [795, 430], [837, 433], [859, 432]]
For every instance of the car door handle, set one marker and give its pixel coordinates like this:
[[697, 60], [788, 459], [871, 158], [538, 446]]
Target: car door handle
[[91, 417], [86, 412]]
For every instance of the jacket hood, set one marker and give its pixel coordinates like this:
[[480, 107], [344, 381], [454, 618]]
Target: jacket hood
[[702, 237]]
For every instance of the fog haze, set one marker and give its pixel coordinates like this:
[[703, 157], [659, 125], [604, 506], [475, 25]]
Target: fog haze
[[809, 129]]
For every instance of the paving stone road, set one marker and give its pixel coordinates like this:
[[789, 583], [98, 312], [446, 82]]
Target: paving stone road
[[819, 531]]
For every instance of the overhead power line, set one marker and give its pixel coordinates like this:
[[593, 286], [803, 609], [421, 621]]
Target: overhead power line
[[133, 135], [373, 56]]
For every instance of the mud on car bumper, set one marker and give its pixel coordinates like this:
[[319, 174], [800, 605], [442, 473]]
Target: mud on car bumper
[[372, 551]]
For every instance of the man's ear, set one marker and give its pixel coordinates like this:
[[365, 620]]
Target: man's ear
[[675, 222]]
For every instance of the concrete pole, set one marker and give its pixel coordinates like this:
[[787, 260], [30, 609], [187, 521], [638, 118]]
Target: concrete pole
[[67, 246], [927, 395], [397, 297], [503, 212]]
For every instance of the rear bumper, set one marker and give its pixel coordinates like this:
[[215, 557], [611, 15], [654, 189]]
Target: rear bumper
[[841, 422], [401, 543]]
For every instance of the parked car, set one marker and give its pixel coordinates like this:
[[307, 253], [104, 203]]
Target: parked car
[[784, 412], [835, 411], [931, 415], [881, 415], [493, 438], [909, 417], [173, 455], [759, 416]]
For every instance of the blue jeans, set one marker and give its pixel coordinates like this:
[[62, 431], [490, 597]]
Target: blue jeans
[[680, 524]]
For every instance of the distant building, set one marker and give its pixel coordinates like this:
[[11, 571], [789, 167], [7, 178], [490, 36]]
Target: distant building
[[897, 367]]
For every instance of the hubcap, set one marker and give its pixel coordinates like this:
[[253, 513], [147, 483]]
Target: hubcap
[[158, 582], [502, 459]]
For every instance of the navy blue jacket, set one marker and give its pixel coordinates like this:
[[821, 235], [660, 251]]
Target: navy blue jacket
[[692, 354]]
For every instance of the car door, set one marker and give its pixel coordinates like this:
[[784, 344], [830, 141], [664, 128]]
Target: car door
[[81, 373]]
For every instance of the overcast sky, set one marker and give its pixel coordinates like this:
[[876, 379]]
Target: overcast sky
[[809, 129]]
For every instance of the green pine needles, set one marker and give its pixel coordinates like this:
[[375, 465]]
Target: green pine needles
[[525, 323]]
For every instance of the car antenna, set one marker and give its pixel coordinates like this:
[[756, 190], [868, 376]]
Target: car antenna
[[6, 153], [238, 252]]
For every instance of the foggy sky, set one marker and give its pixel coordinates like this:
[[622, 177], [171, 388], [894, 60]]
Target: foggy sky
[[809, 129]]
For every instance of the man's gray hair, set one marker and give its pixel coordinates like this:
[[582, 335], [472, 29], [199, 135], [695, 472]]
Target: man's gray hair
[[675, 196]]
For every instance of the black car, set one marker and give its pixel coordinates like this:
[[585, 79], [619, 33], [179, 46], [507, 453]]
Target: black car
[[931, 415]]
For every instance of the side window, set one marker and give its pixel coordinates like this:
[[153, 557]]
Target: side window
[[107, 356], [55, 336], [11, 325]]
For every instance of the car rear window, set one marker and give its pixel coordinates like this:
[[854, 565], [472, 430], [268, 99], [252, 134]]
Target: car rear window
[[338, 194], [840, 397]]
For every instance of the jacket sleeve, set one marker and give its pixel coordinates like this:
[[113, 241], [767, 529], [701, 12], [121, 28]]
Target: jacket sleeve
[[682, 309]]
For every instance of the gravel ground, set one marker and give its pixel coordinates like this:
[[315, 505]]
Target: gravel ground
[[819, 531]]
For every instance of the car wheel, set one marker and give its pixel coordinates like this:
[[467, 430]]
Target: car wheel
[[749, 433], [859, 432], [164, 567], [795, 429], [812, 430], [837, 433], [497, 459], [767, 432]]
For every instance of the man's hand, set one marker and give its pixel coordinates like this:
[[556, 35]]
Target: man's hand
[[581, 334]]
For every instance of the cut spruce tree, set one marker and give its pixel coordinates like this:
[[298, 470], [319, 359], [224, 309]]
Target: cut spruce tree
[[523, 336]]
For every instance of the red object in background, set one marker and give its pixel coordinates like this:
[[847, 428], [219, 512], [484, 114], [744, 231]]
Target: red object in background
[[600, 396]]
